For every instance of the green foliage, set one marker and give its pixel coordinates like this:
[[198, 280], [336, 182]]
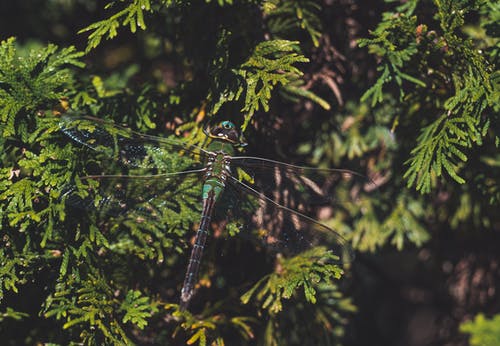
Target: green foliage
[[271, 63], [88, 258], [206, 330], [27, 192], [106, 276], [131, 15], [393, 33], [36, 231], [27, 81], [11, 313], [289, 19], [89, 302], [319, 324], [313, 271], [484, 332], [462, 79], [137, 308], [306, 270], [11, 273], [286, 17]]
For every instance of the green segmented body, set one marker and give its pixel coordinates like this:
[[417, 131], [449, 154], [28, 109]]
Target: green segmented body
[[213, 186]]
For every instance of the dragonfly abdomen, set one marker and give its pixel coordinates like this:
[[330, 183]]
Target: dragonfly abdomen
[[197, 251], [215, 182]]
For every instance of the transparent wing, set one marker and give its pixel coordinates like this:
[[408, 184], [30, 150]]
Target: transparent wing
[[115, 195], [298, 187], [286, 193], [288, 231], [160, 209], [131, 149], [150, 184]]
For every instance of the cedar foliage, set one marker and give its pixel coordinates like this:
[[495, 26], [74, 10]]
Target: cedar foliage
[[413, 104]]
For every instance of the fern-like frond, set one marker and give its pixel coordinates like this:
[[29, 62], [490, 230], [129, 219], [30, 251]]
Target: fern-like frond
[[284, 17], [465, 94], [305, 270], [210, 327], [132, 16], [27, 81]]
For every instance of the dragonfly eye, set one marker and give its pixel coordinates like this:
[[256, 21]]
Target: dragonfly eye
[[227, 125]]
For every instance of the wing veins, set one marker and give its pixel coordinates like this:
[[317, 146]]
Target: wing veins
[[341, 240]]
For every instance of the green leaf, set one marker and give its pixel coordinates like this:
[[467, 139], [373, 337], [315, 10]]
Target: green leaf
[[307, 270], [132, 15], [137, 309], [484, 331]]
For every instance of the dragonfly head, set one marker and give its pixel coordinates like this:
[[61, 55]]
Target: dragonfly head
[[226, 131]]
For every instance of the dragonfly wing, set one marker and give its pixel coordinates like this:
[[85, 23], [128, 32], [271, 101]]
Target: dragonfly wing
[[299, 187], [288, 231], [114, 195], [149, 181], [131, 149], [163, 208]]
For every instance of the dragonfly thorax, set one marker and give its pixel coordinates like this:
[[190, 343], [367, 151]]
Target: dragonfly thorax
[[216, 174], [218, 166]]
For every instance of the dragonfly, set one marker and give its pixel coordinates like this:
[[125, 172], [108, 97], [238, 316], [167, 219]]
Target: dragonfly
[[282, 190]]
